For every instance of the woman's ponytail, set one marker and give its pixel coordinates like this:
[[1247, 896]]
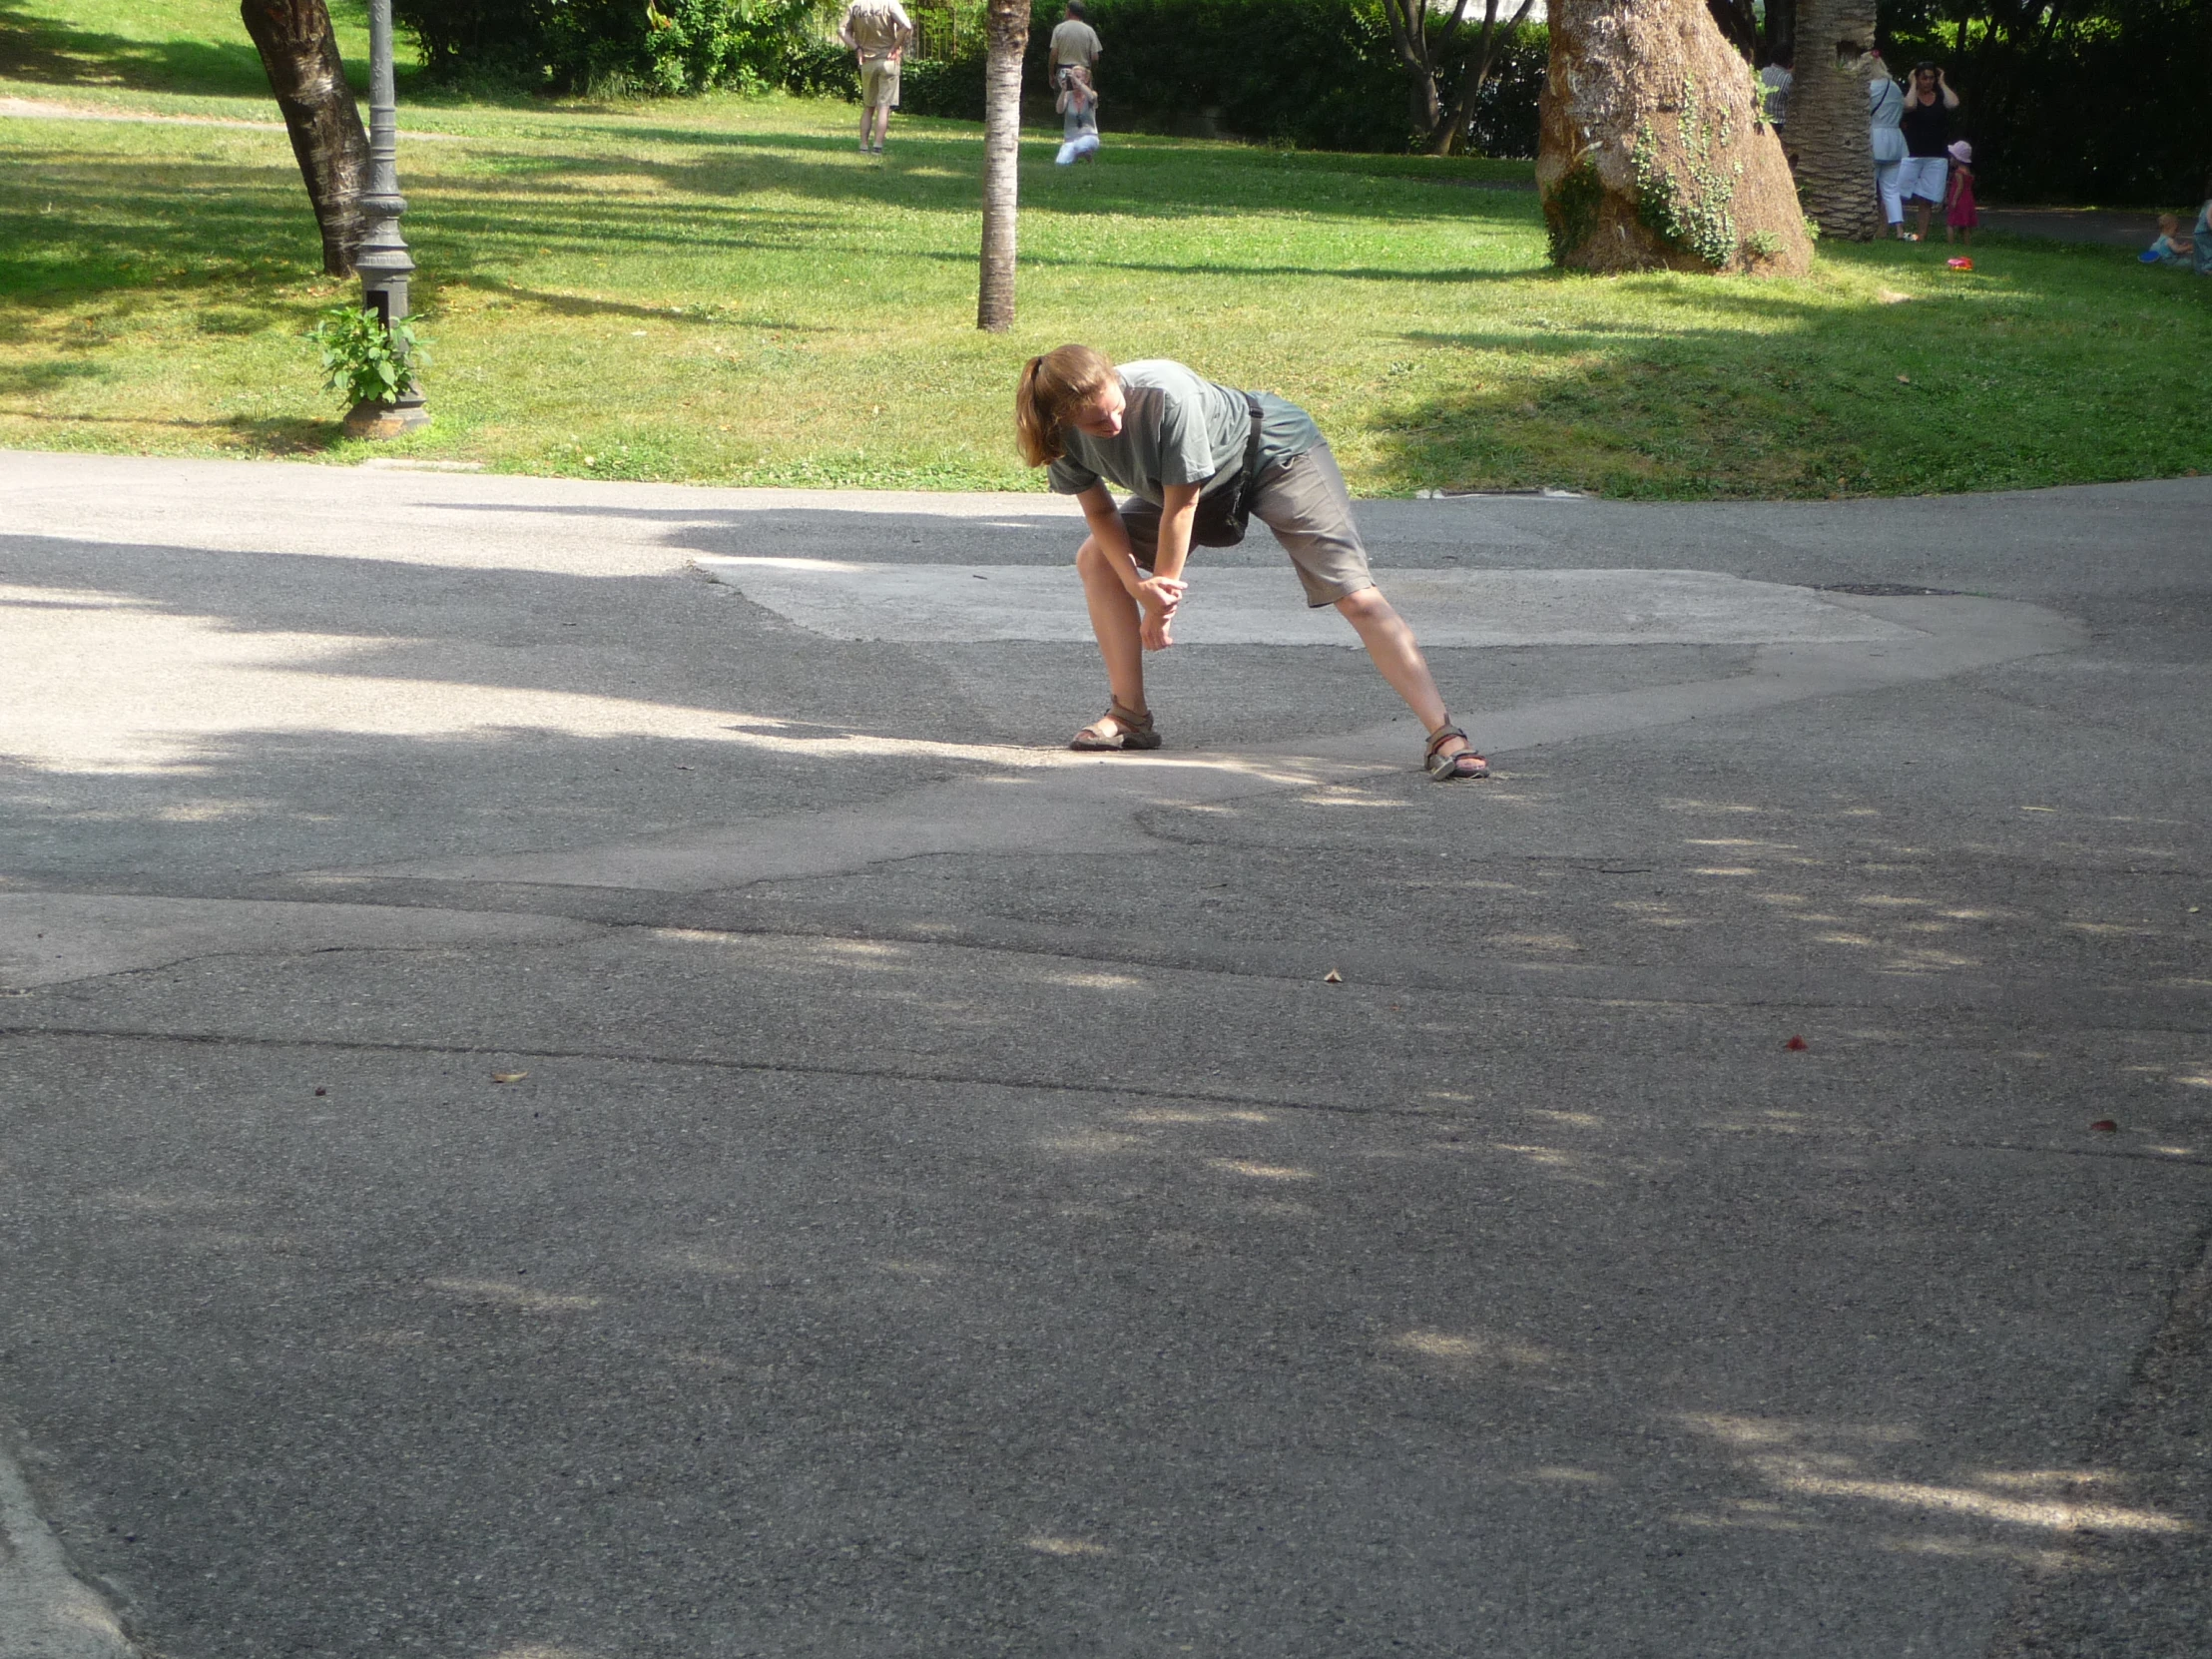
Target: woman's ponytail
[[1052, 387]]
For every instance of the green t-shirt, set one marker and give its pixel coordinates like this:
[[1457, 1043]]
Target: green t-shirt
[[1179, 429]]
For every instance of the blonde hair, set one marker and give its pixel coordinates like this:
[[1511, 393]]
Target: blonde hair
[[1053, 387]]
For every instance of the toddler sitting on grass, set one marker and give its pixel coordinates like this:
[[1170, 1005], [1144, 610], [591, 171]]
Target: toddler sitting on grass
[[2173, 247]]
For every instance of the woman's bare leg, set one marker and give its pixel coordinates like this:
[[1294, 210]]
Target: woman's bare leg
[[1115, 619], [1395, 651]]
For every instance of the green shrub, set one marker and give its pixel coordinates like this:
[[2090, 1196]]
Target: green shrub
[[366, 361], [2100, 102], [615, 46], [1315, 73], [1319, 74]]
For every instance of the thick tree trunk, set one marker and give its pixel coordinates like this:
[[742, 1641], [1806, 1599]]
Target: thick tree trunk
[[1827, 118], [1648, 154], [301, 56], [1006, 33]]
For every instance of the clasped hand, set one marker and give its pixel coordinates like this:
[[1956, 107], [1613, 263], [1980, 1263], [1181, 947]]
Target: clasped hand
[[1158, 596]]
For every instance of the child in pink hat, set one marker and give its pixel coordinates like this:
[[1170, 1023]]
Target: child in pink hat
[[1959, 216]]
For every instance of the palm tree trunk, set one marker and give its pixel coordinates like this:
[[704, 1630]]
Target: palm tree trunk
[[1006, 31], [1827, 118], [301, 57]]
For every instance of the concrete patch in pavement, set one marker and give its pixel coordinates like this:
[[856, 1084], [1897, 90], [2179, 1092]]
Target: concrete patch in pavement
[[46, 1611], [47, 938], [1071, 802], [931, 604]]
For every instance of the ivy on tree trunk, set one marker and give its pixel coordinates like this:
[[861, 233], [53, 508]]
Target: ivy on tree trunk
[[1651, 153], [300, 55]]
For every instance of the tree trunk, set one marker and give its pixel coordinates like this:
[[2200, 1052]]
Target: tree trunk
[[1648, 154], [1006, 33], [301, 56], [1409, 21], [1451, 131], [1827, 118]]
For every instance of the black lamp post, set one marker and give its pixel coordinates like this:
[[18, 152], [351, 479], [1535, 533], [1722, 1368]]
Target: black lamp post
[[383, 260]]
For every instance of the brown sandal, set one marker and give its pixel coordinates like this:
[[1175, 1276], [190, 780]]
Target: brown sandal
[[1466, 764], [1136, 731]]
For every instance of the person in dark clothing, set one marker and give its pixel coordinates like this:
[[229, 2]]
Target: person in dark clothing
[[1927, 126]]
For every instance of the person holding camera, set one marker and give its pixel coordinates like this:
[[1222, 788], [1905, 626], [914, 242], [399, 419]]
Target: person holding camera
[[1925, 122]]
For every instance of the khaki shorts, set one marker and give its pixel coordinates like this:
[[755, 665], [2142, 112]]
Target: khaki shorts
[[1303, 500], [879, 82]]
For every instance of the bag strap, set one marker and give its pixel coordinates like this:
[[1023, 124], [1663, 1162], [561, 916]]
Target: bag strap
[[1249, 486]]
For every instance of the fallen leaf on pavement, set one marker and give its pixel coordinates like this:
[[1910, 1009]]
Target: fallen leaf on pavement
[[509, 1076], [1332, 978], [1797, 1044], [2105, 1126]]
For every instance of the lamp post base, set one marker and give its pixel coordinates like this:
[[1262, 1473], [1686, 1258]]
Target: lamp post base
[[369, 419]]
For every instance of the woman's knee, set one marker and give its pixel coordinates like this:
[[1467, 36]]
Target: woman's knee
[[1365, 605]]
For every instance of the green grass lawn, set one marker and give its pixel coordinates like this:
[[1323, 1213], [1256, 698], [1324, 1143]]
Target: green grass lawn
[[720, 290]]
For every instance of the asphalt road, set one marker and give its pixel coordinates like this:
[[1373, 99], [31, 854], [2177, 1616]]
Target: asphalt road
[[561, 1102]]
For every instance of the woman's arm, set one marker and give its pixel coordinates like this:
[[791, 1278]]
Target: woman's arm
[[1178, 512], [1950, 98], [1164, 588], [1163, 591], [1112, 536]]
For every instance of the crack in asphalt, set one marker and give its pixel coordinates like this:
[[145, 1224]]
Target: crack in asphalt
[[888, 1074]]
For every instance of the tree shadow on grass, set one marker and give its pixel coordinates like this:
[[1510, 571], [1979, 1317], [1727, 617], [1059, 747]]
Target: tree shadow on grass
[[228, 218], [1814, 395], [936, 170], [33, 47], [266, 438]]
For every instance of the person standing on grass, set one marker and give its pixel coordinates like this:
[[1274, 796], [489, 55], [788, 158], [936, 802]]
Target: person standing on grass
[[1884, 109], [1075, 44], [1960, 215], [1199, 460], [1925, 120], [880, 31]]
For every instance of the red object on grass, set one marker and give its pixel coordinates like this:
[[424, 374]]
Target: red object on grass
[[1960, 264]]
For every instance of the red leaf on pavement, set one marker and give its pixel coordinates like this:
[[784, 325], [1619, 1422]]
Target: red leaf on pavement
[[1797, 1044], [2105, 1126]]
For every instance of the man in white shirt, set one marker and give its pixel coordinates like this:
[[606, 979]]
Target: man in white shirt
[[880, 31]]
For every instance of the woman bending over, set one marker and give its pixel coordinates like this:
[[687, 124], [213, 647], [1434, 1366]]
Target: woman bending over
[[1197, 458]]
